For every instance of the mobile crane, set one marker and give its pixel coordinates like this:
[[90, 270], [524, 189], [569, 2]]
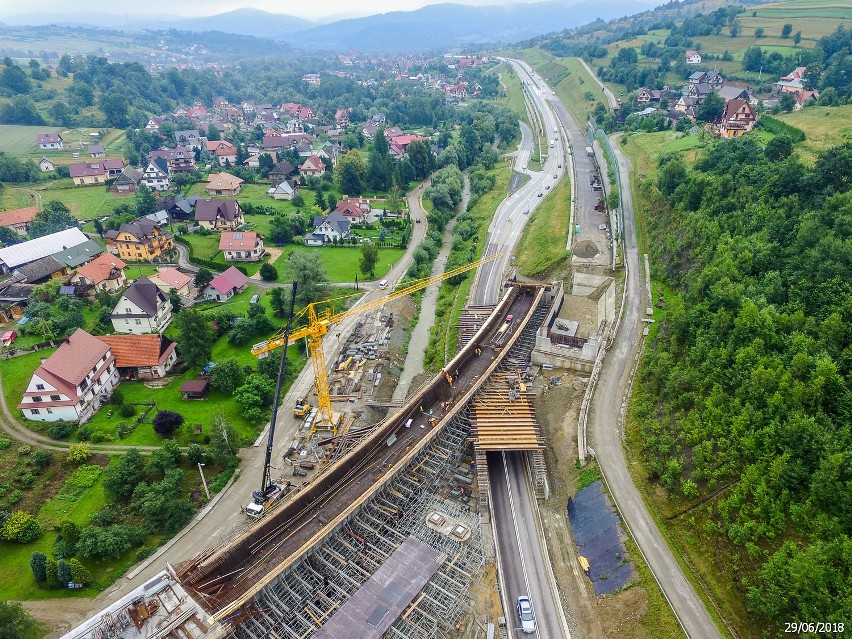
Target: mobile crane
[[318, 325]]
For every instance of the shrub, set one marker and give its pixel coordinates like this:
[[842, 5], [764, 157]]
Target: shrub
[[38, 564], [62, 549], [79, 573], [61, 430], [127, 410], [268, 273], [5, 443], [50, 572], [63, 572], [21, 527], [42, 459], [167, 422], [124, 429], [195, 454], [85, 433], [25, 450], [117, 398], [15, 497], [78, 454], [107, 543]]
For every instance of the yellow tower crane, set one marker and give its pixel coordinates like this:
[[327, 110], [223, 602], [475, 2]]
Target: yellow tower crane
[[318, 325]]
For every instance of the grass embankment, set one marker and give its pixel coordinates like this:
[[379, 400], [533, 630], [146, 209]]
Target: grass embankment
[[824, 127], [543, 242], [452, 298], [684, 531]]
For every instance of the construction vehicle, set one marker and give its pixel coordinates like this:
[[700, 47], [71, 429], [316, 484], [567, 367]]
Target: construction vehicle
[[301, 408], [270, 491], [318, 323]]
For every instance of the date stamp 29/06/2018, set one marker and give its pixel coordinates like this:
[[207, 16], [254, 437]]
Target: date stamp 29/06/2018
[[816, 627]]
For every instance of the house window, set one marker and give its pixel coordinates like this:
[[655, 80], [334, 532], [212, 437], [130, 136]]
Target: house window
[[139, 322], [127, 309], [37, 398], [55, 398], [39, 386], [35, 411], [49, 411]]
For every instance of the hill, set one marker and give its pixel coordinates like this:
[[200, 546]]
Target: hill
[[249, 22]]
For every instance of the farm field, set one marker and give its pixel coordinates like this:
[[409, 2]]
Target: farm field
[[342, 264], [20, 140], [823, 126], [255, 194]]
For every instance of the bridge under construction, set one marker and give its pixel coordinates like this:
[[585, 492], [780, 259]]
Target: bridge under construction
[[381, 514]]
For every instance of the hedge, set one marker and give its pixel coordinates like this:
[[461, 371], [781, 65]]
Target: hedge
[[776, 126]]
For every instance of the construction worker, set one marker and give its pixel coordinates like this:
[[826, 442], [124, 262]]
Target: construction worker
[[449, 378], [457, 373]]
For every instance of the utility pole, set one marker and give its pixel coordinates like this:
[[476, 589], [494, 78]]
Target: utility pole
[[204, 480]]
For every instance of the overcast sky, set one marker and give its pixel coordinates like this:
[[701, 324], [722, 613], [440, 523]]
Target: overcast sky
[[309, 9]]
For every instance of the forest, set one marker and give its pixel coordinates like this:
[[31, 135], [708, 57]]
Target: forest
[[746, 391]]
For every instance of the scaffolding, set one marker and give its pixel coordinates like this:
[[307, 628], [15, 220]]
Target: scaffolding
[[303, 598]]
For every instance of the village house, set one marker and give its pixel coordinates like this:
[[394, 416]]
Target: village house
[[141, 356], [169, 278], [156, 175], [73, 382], [179, 160], [241, 246], [313, 166], [728, 93], [224, 184], [312, 78], [341, 118], [281, 172], [792, 82], [42, 270], [219, 215], [96, 150], [142, 308], [739, 118], [153, 124], [692, 57], [191, 138], [711, 78], [87, 173], [104, 273], [127, 181], [142, 240], [225, 285], [646, 96], [17, 255], [286, 190], [182, 209], [18, 219], [49, 141], [804, 97], [45, 164], [331, 228], [355, 210]]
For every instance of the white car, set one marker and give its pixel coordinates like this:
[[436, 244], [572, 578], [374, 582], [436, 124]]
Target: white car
[[526, 615]]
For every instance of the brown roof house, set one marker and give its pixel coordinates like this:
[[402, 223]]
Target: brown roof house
[[18, 219], [72, 383], [218, 215], [141, 356], [224, 184], [143, 308], [738, 119], [241, 246], [104, 273], [312, 167]]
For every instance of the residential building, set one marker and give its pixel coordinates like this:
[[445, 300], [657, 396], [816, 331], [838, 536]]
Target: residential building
[[219, 215], [87, 173], [328, 229], [711, 78], [312, 78], [112, 168], [179, 160], [182, 209], [224, 184], [18, 219], [49, 141], [128, 181], [341, 118], [792, 82], [241, 246], [355, 210], [143, 308], [73, 382], [42, 270], [739, 118], [286, 190], [225, 285], [313, 166], [191, 138], [104, 273], [45, 164], [168, 278], [96, 150], [646, 96], [281, 172], [804, 97], [692, 57], [728, 93], [12, 257], [143, 241], [141, 356], [156, 175]]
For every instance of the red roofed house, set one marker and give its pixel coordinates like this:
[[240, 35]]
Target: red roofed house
[[141, 356], [18, 219], [738, 119], [217, 215], [312, 167], [692, 57], [72, 383], [168, 278], [86, 173], [341, 117], [225, 285], [241, 246], [48, 141], [105, 273], [354, 209], [801, 97]]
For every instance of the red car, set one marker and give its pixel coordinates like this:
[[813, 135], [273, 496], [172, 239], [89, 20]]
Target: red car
[[509, 319]]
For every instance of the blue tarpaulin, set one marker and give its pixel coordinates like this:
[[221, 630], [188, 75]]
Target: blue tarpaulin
[[597, 531]]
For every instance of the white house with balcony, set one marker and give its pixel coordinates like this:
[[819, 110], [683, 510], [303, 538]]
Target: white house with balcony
[[143, 308], [72, 383]]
